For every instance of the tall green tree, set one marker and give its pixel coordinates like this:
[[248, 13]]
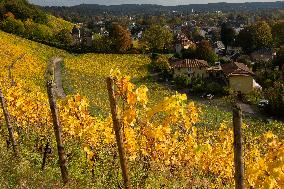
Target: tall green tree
[[157, 38], [262, 35], [227, 35], [245, 40], [278, 33]]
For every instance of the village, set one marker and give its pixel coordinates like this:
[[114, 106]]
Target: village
[[197, 60]]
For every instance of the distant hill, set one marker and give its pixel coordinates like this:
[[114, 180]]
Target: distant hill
[[147, 8]]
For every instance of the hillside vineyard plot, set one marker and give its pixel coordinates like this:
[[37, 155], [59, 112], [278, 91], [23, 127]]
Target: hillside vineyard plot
[[164, 146]]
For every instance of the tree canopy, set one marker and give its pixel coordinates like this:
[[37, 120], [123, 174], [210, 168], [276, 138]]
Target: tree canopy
[[278, 32], [255, 37], [120, 37], [227, 35], [204, 51], [157, 38]]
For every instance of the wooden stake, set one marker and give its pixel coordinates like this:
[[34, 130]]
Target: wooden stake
[[8, 123], [238, 149], [118, 133], [45, 153], [57, 131]]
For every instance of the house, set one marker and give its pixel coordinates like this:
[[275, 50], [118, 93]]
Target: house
[[182, 42], [87, 37], [231, 50], [219, 47], [76, 34], [82, 36], [239, 77], [215, 72], [190, 68]]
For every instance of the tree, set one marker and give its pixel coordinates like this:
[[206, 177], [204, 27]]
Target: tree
[[245, 40], [189, 53], [157, 38], [275, 96], [255, 37], [101, 43], [64, 36], [279, 59], [196, 34], [227, 35], [262, 35], [23, 10], [278, 33], [12, 25], [204, 51], [121, 38], [161, 64]]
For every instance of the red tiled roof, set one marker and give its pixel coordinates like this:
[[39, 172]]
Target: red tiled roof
[[190, 63], [236, 68]]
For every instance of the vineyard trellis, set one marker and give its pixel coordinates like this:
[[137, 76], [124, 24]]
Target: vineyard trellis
[[164, 133]]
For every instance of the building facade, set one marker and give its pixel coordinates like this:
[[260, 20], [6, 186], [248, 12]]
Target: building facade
[[190, 68]]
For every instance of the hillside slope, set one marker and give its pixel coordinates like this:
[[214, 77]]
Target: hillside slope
[[84, 74]]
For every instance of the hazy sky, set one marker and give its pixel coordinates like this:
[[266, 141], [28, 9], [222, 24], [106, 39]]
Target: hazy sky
[[116, 2]]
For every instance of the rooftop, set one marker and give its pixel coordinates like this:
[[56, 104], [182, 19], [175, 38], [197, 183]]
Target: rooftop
[[190, 63], [236, 68]]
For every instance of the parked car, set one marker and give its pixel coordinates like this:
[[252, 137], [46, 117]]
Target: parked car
[[263, 103], [208, 96]]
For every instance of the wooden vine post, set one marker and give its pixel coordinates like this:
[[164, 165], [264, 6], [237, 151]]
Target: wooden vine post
[[238, 148], [8, 123], [57, 130], [118, 133]]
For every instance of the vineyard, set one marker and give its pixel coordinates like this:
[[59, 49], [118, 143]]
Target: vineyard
[[170, 141]]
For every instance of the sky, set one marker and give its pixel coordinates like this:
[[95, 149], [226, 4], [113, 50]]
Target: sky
[[117, 2]]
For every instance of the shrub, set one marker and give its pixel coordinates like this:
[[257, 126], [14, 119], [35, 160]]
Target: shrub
[[64, 36], [37, 31], [275, 96], [214, 87], [254, 97], [12, 25], [182, 82]]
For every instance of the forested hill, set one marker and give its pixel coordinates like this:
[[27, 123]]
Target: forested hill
[[147, 8], [21, 18]]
